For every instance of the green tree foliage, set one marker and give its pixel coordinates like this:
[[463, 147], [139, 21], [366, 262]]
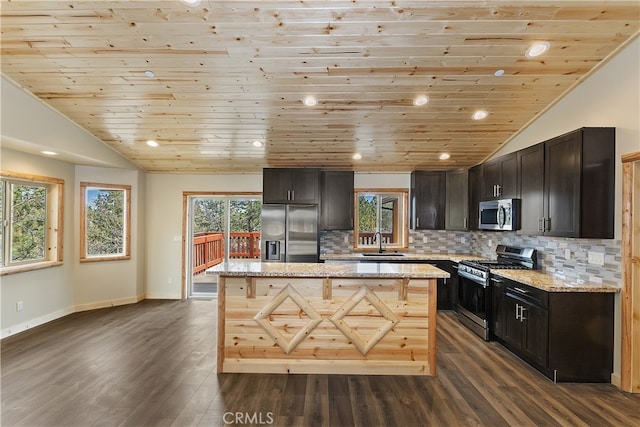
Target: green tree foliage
[[367, 213], [29, 222], [209, 215], [105, 226]]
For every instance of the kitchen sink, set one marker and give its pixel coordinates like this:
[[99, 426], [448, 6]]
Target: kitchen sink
[[381, 254]]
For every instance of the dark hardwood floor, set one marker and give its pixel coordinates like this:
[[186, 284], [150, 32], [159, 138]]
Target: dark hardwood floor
[[154, 363]]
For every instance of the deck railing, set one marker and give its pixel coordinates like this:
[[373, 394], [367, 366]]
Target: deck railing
[[208, 248], [368, 238]]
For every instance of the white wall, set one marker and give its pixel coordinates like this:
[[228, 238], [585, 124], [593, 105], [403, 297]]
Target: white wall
[[164, 223], [49, 293], [29, 125], [105, 283], [609, 97]]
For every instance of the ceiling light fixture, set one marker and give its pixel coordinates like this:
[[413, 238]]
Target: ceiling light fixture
[[479, 115], [310, 101], [49, 153], [537, 49], [499, 73], [356, 156], [191, 3], [257, 143], [149, 74], [420, 100], [152, 143], [444, 156]]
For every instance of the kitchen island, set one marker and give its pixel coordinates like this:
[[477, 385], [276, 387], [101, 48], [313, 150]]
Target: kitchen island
[[342, 318]]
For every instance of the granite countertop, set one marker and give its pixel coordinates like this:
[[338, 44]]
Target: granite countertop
[[406, 256], [548, 282], [352, 270]]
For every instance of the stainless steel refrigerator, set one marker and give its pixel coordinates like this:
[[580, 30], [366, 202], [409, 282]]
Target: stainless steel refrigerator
[[290, 233]]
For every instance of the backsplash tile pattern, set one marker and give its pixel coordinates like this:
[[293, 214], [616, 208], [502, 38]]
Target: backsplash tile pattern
[[563, 257]]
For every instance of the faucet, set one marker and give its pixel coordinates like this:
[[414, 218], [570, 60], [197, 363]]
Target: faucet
[[379, 234]]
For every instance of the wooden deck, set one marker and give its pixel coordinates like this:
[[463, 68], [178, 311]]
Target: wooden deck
[[154, 363]]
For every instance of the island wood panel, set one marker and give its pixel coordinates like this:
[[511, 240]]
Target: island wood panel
[[405, 347]]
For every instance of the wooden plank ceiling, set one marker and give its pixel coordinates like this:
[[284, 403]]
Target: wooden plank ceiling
[[228, 73]]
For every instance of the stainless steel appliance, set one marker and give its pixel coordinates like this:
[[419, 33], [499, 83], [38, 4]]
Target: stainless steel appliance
[[290, 233], [499, 214], [474, 285]]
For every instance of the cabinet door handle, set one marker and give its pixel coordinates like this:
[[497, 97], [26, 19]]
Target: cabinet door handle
[[498, 190], [547, 224], [293, 195], [522, 310], [417, 222], [540, 226], [465, 223], [288, 194], [517, 312]]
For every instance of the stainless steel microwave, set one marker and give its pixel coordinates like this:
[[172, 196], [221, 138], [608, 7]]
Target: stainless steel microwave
[[499, 215]]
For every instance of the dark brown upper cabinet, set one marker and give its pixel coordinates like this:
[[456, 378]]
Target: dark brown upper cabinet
[[566, 185], [500, 177], [291, 185], [579, 184], [457, 200], [476, 194], [531, 189], [428, 200], [336, 200]]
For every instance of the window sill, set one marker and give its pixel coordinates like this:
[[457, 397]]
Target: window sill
[[106, 258], [4, 271]]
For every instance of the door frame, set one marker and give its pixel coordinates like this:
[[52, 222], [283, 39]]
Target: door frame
[[630, 294], [186, 259]]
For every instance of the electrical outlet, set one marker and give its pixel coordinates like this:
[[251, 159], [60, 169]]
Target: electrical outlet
[[567, 253], [19, 306], [596, 258]]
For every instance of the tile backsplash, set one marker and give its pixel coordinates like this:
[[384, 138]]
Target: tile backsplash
[[563, 257]]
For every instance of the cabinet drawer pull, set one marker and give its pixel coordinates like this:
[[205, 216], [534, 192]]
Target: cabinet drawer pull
[[522, 291]]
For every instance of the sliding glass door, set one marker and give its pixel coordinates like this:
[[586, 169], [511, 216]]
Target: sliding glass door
[[221, 229]]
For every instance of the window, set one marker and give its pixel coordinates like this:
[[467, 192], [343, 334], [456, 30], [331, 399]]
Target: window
[[31, 229], [384, 212], [105, 222]]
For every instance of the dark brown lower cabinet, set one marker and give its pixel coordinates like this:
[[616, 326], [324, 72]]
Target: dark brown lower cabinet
[[568, 336]]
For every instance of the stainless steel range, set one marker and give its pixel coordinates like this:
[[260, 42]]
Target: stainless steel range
[[474, 285]]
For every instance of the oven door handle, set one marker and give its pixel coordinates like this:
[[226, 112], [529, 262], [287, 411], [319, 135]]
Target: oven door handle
[[473, 278]]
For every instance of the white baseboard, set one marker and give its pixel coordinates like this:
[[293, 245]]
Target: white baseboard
[[21, 327], [162, 296], [109, 303], [615, 379]]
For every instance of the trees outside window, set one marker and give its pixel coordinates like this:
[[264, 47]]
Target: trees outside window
[[105, 222], [31, 231], [383, 211]]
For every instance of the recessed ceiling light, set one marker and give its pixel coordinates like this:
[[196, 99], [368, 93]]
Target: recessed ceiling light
[[479, 115], [356, 156], [257, 143], [537, 49], [191, 2], [310, 101], [444, 156], [420, 100], [49, 153], [152, 143], [499, 73], [149, 74]]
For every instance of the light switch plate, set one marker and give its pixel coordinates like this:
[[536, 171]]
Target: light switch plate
[[596, 258]]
